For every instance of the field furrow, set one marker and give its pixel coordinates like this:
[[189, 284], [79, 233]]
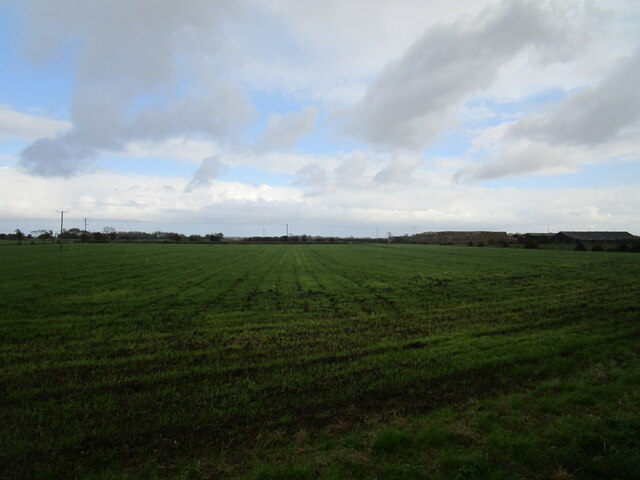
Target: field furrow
[[155, 360]]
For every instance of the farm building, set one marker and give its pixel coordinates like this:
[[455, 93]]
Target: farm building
[[463, 238], [537, 237], [595, 237]]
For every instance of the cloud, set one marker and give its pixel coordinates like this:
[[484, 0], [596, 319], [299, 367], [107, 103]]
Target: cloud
[[399, 170], [180, 148], [145, 70], [16, 125], [283, 131], [49, 157], [591, 125], [210, 168], [415, 97], [311, 174], [391, 207], [592, 115], [521, 159], [327, 51]]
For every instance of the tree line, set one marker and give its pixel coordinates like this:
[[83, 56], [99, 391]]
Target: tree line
[[109, 234]]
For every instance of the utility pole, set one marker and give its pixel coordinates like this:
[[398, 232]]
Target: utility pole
[[85, 225], [287, 229], [414, 231], [61, 212]]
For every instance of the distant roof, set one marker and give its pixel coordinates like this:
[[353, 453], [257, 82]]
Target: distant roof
[[599, 236]]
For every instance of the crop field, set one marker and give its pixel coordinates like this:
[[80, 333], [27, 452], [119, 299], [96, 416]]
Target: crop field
[[318, 362]]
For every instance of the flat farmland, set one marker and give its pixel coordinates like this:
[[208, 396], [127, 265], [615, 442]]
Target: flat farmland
[[318, 362]]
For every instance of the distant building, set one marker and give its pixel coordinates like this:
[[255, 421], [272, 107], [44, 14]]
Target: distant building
[[463, 237], [603, 237], [537, 237]]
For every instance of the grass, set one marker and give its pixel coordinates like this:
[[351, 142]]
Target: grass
[[317, 362]]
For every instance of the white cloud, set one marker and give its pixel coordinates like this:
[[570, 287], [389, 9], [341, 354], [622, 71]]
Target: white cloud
[[133, 63], [104, 195], [157, 79], [592, 125], [416, 96], [326, 52], [16, 125], [592, 115]]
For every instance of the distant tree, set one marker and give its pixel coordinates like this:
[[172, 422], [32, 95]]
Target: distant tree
[[46, 235], [622, 247], [72, 233], [110, 232], [215, 237], [19, 236], [100, 237], [195, 238], [580, 247]]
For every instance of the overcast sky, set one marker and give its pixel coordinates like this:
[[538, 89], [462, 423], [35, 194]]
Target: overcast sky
[[339, 117]]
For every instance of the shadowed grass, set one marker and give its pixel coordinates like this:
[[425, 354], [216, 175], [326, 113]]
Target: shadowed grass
[[317, 361]]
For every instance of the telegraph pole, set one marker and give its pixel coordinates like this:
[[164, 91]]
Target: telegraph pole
[[62, 212], [287, 229], [85, 225]]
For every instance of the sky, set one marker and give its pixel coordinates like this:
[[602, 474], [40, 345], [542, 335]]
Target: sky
[[340, 117]]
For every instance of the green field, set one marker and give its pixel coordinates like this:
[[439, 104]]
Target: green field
[[318, 362]]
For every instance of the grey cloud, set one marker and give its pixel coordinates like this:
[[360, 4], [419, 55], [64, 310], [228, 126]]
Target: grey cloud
[[50, 157], [593, 115], [210, 169], [352, 172], [311, 174], [398, 171], [136, 76], [569, 134], [414, 98], [520, 160], [214, 109], [283, 131]]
